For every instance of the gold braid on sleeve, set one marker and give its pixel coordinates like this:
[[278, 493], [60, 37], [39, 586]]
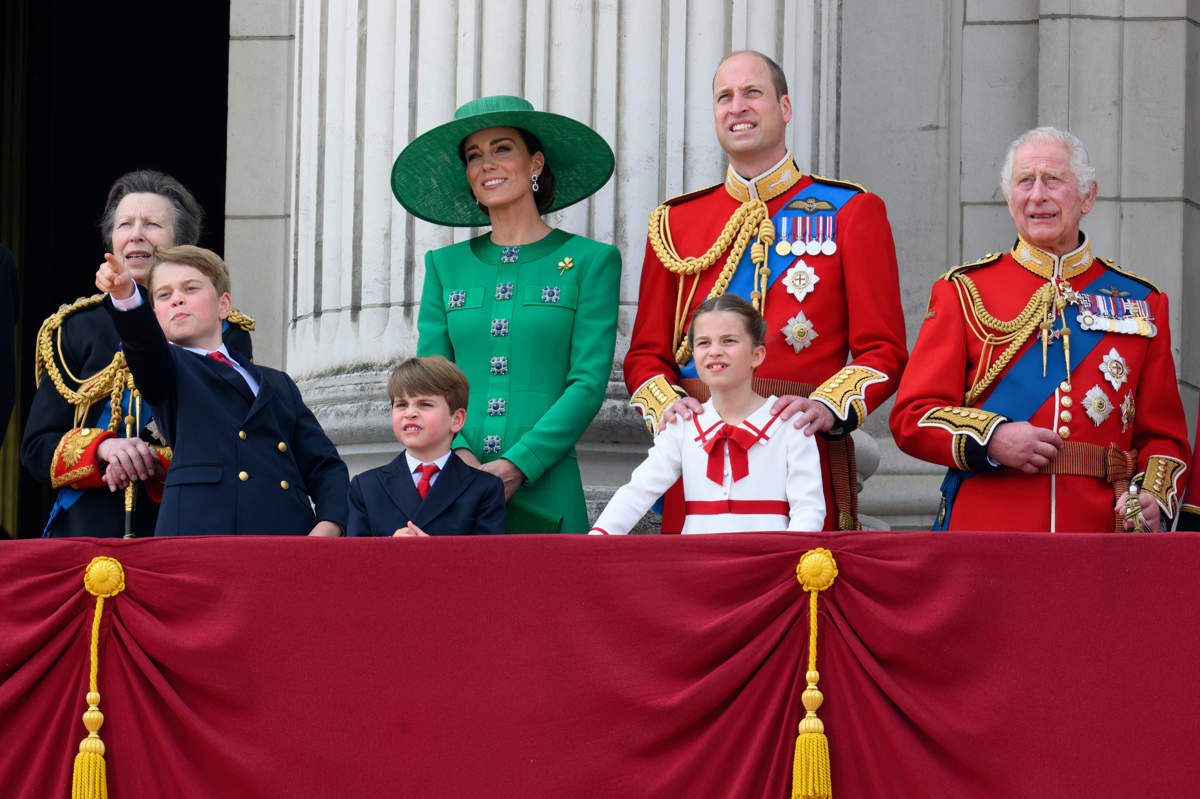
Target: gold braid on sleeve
[[750, 220]]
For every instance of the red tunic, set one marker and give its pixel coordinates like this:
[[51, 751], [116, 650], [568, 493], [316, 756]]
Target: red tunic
[[854, 307], [1132, 397]]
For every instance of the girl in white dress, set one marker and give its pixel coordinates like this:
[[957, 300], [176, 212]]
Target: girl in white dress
[[743, 469]]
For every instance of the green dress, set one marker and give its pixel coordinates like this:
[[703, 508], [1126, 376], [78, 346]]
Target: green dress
[[534, 332]]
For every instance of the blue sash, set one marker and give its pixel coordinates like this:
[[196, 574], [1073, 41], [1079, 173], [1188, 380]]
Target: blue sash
[[1022, 389], [742, 282]]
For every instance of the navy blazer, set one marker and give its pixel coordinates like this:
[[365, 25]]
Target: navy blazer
[[461, 501], [242, 464]]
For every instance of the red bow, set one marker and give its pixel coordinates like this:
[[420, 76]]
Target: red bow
[[735, 441]]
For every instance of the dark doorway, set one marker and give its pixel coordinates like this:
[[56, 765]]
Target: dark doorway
[[93, 90]]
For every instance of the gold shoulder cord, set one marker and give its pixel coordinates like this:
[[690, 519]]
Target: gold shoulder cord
[[1013, 332], [112, 380], [749, 219]]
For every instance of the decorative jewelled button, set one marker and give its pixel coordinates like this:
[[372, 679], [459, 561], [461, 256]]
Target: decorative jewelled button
[[496, 406], [504, 291], [491, 445], [551, 294], [509, 255], [499, 327], [457, 299], [500, 365]]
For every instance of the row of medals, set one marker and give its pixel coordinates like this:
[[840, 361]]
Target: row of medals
[[816, 236]]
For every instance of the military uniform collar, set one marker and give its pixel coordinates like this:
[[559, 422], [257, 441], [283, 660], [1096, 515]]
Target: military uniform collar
[[1045, 265], [767, 186]]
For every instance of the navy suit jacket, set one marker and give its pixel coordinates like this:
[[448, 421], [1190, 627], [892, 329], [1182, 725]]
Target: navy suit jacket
[[461, 501], [242, 464]]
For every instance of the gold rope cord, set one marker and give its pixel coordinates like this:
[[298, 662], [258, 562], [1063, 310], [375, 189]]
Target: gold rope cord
[[816, 572], [103, 578], [1013, 332], [750, 218]]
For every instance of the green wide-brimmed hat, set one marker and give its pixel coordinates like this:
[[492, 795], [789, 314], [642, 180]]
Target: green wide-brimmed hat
[[430, 180]]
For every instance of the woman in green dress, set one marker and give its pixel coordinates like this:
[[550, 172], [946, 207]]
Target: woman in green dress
[[527, 311]]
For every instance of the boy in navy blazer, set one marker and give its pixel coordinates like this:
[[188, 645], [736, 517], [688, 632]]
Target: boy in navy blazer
[[427, 489], [248, 453]]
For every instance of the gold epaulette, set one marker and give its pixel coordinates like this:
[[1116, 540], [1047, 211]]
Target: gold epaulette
[[48, 342], [242, 320], [692, 194], [990, 258], [1111, 264], [845, 184]]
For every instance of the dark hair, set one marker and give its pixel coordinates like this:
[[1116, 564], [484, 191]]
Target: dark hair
[[188, 214], [544, 196], [778, 79], [206, 261], [756, 326], [431, 375]]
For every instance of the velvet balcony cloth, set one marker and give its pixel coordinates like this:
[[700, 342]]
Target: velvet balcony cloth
[[952, 664]]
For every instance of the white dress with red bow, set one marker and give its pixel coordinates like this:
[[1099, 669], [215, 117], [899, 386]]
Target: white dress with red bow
[[760, 475]]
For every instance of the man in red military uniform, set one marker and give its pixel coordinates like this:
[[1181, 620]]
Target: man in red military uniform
[[814, 255], [1043, 376]]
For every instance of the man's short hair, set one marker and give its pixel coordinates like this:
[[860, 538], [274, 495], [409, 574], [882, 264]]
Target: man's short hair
[[188, 213], [431, 375], [1081, 162], [207, 261], [778, 79]]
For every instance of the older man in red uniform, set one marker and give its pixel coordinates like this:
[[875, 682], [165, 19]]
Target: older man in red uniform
[[1043, 376], [814, 255]]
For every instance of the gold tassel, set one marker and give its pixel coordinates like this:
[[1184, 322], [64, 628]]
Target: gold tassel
[[103, 578], [810, 769]]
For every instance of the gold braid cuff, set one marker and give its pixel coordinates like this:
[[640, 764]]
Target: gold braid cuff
[[847, 389], [652, 399], [963, 424], [1162, 473], [750, 220]]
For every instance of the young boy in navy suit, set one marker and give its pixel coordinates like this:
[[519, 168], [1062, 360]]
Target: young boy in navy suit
[[248, 454], [427, 489]]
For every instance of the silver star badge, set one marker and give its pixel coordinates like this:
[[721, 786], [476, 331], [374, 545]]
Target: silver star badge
[[1114, 369], [800, 279], [799, 331], [1097, 405]]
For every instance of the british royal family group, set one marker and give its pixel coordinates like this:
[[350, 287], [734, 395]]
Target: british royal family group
[[769, 326]]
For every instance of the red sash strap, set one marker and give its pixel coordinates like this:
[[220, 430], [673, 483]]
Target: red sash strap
[[745, 507], [736, 441]]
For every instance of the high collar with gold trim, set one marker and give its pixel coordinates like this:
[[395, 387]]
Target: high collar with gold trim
[[767, 186], [1048, 266]]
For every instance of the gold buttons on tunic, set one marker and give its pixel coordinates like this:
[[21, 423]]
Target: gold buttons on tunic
[[1064, 431], [1065, 416], [1067, 402], [283, 484], [1064, 386], [242, 435], [243, 476], [282, 446]]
